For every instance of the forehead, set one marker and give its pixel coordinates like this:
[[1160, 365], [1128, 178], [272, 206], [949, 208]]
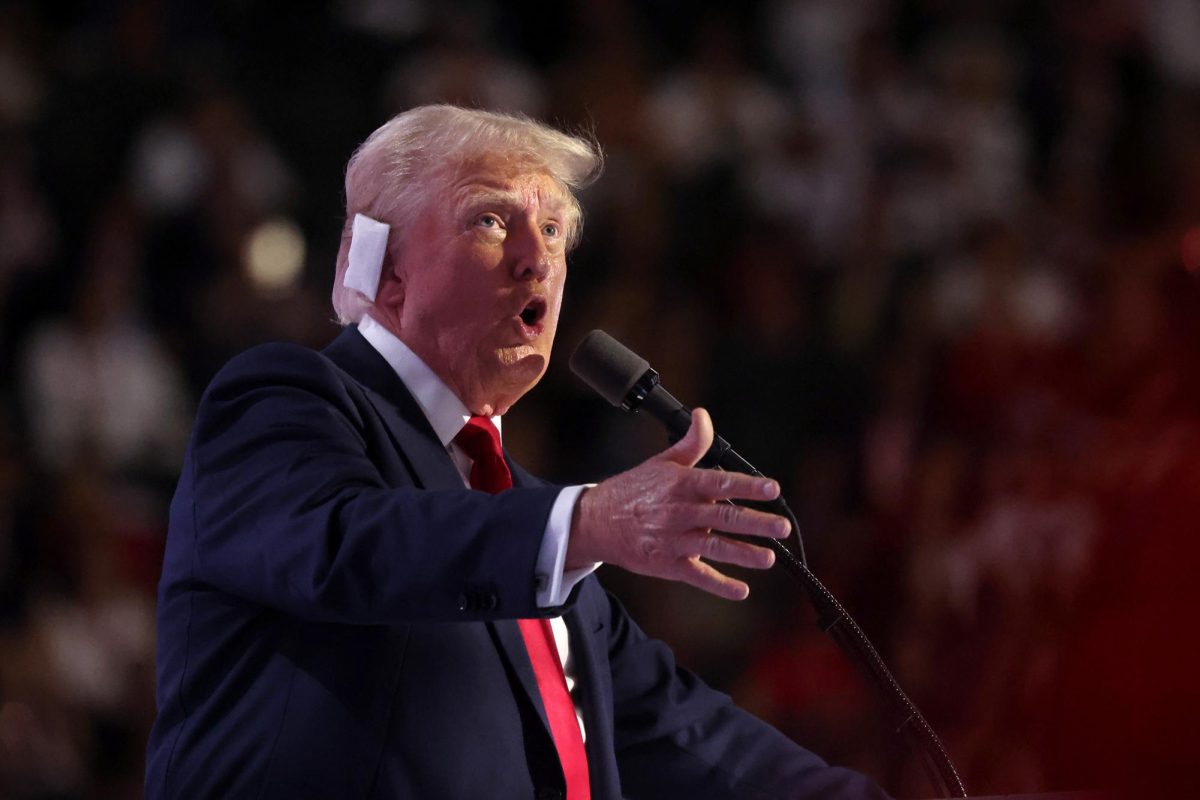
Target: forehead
[[520, 184]]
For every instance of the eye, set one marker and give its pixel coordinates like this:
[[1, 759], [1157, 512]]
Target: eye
[[489, 221], [550, 230]]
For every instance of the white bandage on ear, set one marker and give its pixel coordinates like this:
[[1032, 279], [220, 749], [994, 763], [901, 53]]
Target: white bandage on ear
[[364, 263]]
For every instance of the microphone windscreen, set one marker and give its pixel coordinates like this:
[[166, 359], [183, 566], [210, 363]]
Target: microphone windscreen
[[608, 366]]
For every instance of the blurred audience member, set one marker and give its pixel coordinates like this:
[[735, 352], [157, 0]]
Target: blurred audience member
[[935, 262]]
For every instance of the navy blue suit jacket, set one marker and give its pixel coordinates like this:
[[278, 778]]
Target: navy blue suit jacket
[[336, 620]]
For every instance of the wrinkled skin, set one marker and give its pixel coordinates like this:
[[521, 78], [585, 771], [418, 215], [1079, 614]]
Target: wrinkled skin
[[486, 243], [657, 518]]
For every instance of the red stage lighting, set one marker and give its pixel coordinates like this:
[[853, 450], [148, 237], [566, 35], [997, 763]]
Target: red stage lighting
[[1189, 250]]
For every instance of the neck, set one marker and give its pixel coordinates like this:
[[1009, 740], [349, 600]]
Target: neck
[[477, 401]]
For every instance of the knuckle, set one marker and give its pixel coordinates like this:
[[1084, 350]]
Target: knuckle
[[727, 515], [713, 546], [651, 553]]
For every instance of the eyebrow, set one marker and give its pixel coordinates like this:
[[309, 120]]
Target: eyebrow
[[472, 195]]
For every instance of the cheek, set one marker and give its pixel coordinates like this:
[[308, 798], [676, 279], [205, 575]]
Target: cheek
[[559, 283], [554, 298], [553, 310], [550, 323], [463, 299]]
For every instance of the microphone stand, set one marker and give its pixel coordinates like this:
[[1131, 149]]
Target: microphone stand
[[834, 619]]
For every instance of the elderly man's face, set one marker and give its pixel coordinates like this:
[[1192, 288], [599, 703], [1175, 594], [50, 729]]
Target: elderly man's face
[[481, 281]]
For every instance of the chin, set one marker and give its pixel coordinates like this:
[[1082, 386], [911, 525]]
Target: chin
[[521, 356], [521, 368]]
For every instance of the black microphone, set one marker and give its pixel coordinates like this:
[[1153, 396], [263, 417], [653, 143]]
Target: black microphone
[[626, 380]]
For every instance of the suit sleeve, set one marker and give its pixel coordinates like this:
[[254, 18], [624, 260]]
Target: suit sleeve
[[287, 508], [677, 738]]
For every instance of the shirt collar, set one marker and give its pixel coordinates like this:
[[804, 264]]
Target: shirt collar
[[444, 410]]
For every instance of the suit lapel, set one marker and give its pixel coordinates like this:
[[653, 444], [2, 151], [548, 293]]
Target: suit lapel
[[419, 445], [411, 432]]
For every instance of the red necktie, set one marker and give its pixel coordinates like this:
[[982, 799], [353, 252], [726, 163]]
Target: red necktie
[[480, 440]]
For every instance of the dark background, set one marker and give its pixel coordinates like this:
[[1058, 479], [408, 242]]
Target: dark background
[[933, 264]]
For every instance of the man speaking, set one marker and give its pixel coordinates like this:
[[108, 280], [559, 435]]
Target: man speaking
[[364, 597]]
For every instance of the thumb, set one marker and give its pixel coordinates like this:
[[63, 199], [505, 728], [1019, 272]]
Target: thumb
[[695, 443]]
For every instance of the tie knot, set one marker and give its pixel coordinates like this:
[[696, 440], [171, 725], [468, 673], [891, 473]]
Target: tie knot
[[480, 440]]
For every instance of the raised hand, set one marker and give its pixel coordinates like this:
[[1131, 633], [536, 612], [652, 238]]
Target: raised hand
[[658, 518]]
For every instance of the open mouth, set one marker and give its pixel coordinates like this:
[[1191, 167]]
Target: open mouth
[[533, 313]]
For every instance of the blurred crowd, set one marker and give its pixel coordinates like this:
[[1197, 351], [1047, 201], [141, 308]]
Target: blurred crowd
[[933, 264]]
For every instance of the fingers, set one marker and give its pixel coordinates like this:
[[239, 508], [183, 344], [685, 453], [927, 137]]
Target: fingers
[[734, 519], [711, 484], [713, 547], [692, 570], [695, 443], [695, 572]]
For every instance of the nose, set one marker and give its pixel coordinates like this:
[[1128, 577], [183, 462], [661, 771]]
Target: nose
[[532, 259]]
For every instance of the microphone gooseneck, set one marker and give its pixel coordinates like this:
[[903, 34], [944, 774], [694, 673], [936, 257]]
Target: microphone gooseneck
[[627, 380]]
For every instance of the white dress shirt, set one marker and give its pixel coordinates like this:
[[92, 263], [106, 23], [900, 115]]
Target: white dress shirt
[[447, 415]]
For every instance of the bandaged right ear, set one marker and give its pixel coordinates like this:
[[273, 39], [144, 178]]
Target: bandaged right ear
[[364, 263]]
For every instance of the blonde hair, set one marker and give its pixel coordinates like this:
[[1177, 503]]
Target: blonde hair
[[401, 165]]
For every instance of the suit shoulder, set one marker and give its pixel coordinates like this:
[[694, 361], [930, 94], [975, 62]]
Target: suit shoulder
[[276, 364], [275, 357], [274, 388]]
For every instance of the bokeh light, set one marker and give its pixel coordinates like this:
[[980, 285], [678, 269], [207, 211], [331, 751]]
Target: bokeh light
[[273, 256]]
